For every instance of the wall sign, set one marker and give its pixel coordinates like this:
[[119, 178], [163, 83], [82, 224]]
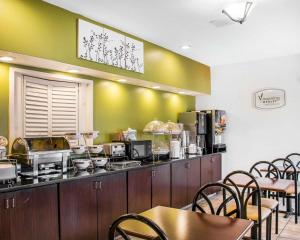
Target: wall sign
[[104, 46], [269, 98]]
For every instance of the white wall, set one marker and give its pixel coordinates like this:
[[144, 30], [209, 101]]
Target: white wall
[[252, 134]]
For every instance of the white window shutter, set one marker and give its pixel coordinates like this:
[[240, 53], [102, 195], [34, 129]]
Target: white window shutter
[[51, 107], [36, 108]]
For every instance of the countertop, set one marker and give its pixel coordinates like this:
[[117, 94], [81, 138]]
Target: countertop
[[72, 175]]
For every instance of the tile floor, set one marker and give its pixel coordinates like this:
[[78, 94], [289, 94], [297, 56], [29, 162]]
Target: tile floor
[[287, 227]]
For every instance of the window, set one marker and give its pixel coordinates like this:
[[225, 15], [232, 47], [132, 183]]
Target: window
[[44, 104], [50, 107]]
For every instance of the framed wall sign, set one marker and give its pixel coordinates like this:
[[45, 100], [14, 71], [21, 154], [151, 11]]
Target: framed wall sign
[[101, 45], [269, 99]]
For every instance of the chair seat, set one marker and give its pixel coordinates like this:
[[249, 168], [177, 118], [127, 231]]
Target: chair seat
[[269, 203], [291, 190], [252, 212]]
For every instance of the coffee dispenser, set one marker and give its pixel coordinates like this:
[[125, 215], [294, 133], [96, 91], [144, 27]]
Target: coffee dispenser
[[208, 126], [216, 126]]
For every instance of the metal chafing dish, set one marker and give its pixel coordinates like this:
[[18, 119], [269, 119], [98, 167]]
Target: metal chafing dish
[[41, 153]]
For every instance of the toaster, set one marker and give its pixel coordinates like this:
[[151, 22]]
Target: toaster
[[114, 149]]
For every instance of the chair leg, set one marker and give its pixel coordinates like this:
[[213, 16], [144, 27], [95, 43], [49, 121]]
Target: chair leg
[[259, 231], [298, 205], [277, 214], [296, 208], [268, 228]]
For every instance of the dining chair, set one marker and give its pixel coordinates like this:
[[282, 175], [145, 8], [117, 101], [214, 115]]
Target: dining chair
[[115, 227], [229, 196], [254, 210], [267, 169], [289, 172], [295, 158]]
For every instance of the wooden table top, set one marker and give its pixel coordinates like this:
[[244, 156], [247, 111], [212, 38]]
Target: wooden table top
[[187, 225], [276, 185]]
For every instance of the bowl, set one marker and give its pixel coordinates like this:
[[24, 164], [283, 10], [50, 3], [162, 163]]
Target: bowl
[[99, 162], [95, 148], [82, 164], [91, 135], [73, 136], [78, 149]]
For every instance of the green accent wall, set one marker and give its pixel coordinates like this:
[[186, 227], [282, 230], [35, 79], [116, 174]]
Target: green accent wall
[[116, 106], [36, 28], [4, 92]]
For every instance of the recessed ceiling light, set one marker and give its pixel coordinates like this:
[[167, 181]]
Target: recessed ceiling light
[[185, 47], [156, 87], [122, 80], [181, 92], [73, 71], [6, 59]]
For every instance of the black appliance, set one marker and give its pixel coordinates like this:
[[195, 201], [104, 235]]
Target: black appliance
[[216, 125], [138, 149], [196, 124]]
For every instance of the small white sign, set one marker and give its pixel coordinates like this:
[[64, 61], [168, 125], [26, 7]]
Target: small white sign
[[269, 98]]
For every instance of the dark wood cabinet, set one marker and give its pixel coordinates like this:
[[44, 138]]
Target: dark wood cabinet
[[112, 201], [5, 216], [88, 207], [31, 214], [193, 182], [206, 174], [161, 186], [179, 184], [185, 182], [211, 170], [78, 210], [139, 190]]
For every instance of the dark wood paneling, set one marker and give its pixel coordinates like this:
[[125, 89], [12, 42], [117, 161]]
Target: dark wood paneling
[[139, 190], [34, 214], [161, 186], [4, 216], [112, 201], [193, 179], [216, 167], [179, 184], [206, 175], [78, 210]]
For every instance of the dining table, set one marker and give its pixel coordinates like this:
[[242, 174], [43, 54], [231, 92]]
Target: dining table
[[181, 224], [265, 184]]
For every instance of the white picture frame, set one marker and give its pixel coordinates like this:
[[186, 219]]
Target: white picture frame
[[104, 46]]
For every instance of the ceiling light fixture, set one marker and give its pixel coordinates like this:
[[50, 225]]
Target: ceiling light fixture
[[238, 11], [185, 47], [73, 71], [6, 59], [156, 87], [122, 80]]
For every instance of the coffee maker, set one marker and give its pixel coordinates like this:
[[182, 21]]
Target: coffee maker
[[196, 124], [216, 126], [208, 126]]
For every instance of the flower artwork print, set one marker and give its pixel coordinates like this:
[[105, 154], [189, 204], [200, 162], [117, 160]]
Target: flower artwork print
[[104, 46]]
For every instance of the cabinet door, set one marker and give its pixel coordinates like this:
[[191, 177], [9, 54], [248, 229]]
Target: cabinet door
[[193, 179], [139, 190], [34, 214], [4, 216], [206, 170], [216, 165], [78, 210], [161, 186], [112, 201], [179, 184]]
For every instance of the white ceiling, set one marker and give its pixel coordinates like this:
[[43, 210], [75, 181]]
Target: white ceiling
[[271, 30]]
